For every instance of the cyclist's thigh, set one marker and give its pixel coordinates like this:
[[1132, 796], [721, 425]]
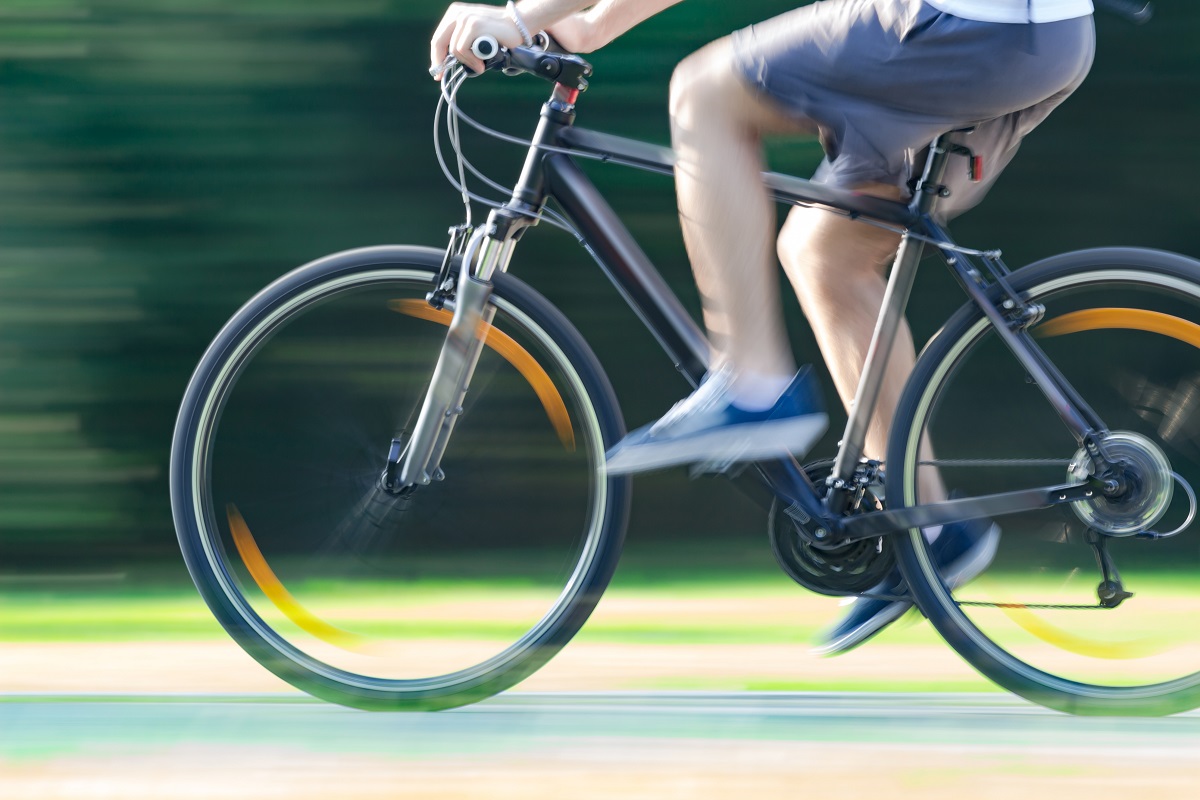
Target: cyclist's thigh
[[708, 88]]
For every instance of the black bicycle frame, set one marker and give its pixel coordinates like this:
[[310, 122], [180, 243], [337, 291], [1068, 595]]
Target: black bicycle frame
[[550, 171]]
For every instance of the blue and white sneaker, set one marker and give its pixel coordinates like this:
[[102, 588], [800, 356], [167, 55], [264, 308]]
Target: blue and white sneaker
[[706, 426], [961, 552]]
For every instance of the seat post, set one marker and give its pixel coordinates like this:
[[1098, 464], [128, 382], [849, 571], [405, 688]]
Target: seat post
[[930, 189]]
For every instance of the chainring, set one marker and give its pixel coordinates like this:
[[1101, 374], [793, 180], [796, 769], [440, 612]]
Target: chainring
[[839, 568]]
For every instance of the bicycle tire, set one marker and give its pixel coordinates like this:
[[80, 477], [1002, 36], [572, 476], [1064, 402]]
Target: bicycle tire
[[1032, 622], [436, 600]]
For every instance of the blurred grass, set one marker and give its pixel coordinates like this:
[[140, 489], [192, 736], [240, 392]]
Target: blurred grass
[[632, 612], [660, 626], [145, 607]]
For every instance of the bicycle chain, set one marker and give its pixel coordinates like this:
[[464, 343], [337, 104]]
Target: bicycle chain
[[893, 598], [1043, 606]]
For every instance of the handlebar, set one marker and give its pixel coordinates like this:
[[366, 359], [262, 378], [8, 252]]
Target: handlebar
[[542, 59]]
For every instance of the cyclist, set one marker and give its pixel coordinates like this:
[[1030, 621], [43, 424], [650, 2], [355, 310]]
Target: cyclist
[[876, 80]]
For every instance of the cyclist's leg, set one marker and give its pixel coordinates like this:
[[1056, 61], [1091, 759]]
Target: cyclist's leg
[[754, 405], [837, 267], [727, 216]]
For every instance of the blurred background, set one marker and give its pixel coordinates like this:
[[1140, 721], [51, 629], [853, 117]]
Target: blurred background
[[160, 161]]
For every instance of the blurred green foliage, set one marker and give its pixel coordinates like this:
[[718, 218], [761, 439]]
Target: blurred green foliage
[[161, 160]]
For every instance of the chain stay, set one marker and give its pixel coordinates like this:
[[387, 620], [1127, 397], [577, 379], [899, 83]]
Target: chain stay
[[892, 598]]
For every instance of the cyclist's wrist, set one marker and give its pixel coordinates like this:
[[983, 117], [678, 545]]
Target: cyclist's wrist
[[514, 16]]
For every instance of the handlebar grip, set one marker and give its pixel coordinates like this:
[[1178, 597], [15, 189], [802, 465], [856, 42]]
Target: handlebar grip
[[485, 48]]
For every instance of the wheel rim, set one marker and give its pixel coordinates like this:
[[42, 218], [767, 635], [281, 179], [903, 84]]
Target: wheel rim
[[1136, 376], [425, 594]]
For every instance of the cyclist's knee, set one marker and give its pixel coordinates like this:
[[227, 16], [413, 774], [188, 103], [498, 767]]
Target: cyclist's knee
[[807, 233], [820, 249], [702, 85]]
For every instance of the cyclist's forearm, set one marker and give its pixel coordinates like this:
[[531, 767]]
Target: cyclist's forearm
[[608, 18], [541, 14]]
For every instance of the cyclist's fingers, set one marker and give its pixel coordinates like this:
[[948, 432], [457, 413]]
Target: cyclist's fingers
[[465, 35]]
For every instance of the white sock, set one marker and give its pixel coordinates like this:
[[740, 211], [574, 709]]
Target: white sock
[[756, 391]]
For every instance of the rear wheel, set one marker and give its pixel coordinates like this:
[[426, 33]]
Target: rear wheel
[[436, 598], [1123, 326]]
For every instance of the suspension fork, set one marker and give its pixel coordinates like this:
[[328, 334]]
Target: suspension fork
[[488, 250]]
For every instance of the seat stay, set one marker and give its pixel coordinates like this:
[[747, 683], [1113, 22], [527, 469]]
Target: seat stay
[[1078, 417]]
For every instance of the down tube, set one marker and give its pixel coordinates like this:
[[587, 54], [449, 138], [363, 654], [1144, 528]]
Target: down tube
[[630, 270]]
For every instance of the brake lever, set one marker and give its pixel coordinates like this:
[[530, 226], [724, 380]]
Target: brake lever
[[447, 63]]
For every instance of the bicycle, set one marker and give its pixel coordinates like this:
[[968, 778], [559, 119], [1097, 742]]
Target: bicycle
[[329, 460]]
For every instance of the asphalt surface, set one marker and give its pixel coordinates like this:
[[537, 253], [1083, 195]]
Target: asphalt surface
[[534, 745]]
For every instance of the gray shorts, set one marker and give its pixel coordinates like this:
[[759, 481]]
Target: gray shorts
[[879, 79]]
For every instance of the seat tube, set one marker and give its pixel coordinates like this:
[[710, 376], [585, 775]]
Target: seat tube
[[899, 286], [929, 190]]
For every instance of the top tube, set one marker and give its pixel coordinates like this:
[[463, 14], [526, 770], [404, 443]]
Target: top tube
[[784, 188]]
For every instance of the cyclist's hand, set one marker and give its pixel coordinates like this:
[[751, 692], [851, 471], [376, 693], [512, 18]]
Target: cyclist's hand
[[461, 25]]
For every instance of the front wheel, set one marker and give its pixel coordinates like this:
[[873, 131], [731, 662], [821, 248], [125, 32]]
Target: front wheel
[[1123, 326], [423, 600]]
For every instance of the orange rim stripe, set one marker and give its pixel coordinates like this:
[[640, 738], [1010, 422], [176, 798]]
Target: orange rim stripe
[[514, 354], [271, 586], [1129, 318]]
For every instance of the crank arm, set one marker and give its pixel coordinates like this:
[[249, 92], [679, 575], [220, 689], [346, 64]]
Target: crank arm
[[866, 526]]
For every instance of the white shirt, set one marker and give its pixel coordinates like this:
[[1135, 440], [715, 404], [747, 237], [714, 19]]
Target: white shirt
[[1014, 10]]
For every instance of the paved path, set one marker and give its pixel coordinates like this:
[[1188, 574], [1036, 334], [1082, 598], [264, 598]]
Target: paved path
[[531, 745]]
